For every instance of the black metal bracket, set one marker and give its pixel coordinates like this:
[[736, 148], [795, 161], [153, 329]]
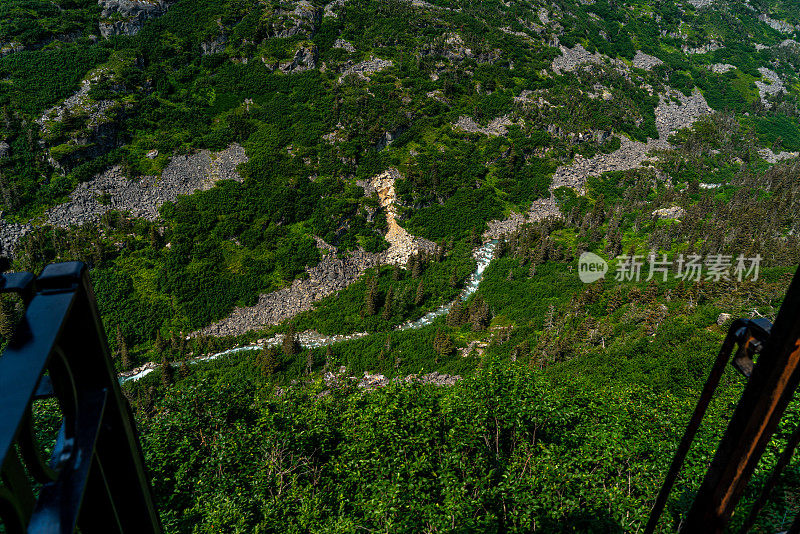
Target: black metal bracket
[[96, 479], [751, 336], [23, 284]]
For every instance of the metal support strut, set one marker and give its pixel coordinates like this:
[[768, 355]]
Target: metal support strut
[[772, 381], [95, 480]]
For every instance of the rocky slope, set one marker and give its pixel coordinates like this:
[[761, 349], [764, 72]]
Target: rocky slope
[[334, 272], [127, 17], [141, 197]]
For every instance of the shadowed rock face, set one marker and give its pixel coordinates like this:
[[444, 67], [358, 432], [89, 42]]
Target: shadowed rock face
[[126, 17], [304, 59]]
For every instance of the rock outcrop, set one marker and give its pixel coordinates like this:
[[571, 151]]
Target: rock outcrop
[[451, 47], [127, 17], [303, 19], [544, 208], [10, 234], [701, 3], [779, 25], [771, 157], [341, 43], [112, 190], [721, 68], [630, 155], [142, 197], [305, 58], [673, 212], [96, 134], [772, 87], [670, 117], [645, 61], [364, 68], [496, 127], [10, 47], [572, 58], [214, 46], [329, 8]]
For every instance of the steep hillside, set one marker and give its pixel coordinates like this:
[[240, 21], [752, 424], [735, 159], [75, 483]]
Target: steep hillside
[[408, 185]]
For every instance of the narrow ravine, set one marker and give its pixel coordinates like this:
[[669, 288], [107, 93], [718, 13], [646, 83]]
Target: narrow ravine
[[310, 339]]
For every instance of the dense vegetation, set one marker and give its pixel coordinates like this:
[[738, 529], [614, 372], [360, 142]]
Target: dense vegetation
[[573, 396], [567, 417], [169, 96]]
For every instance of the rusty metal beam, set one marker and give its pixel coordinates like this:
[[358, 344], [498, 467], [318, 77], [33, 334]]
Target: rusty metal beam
[[772, 481], [768, 392]]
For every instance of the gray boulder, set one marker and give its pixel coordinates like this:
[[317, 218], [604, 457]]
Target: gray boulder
[[304, 59], [127, 17]]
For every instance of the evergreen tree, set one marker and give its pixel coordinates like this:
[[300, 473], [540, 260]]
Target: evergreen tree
[[148, 402], [158, 344], [650, 292], [6, 320], [266, 361], [416, 266], [615, 301], [419, 298], [479, 314], [291, 344], [309, 362], [387, 304], [680, 290], [184, 369], [371, 297], [155, 238], [453, 282], [328, 358], [455, 317], [122, 350], [442, 343], [501, 248], [166, 373]]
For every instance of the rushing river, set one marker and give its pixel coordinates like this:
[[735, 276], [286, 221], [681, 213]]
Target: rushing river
[[483, 256]]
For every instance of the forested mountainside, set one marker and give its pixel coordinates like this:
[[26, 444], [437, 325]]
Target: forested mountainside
[[238, 172]]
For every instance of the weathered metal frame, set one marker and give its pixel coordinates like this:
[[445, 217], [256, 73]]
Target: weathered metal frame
[[770, 387], [95, 480], [768, 392]]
